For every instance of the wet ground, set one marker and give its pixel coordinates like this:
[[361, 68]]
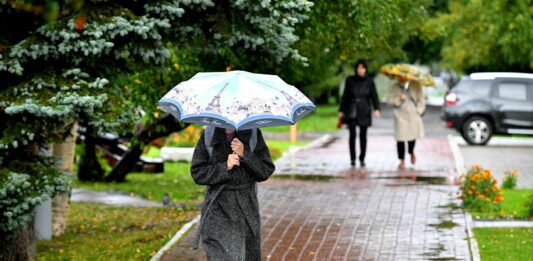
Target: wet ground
[[334, 212]]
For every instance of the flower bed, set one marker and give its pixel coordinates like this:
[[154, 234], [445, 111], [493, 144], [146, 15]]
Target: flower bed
[[480, 190]]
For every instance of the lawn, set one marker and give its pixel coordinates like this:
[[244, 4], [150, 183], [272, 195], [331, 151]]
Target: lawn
[[176, 181], [99, 232], [505, 243], [324, 119], [513, 205]]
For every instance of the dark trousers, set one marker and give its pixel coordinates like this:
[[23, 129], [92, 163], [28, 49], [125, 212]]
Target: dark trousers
[[401, 148], [362, 141]]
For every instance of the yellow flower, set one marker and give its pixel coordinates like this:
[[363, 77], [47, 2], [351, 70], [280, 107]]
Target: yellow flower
[[137, 81]]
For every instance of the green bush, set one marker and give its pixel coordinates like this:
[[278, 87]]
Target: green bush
[[480, 191], [510, 179]]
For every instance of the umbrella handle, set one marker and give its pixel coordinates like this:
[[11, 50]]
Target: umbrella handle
[[406, 85]]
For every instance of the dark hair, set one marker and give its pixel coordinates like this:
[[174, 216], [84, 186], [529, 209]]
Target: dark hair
[[362, 62]]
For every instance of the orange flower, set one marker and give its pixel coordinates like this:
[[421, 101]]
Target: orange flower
[[486, 191], [470, 192]]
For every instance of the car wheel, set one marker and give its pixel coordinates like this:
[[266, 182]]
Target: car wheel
[[477, 130]]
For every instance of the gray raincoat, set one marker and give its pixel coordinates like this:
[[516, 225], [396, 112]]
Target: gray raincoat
[[230, 227]]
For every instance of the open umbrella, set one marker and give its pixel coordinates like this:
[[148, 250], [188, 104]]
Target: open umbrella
[[409, 72], [236, 100]]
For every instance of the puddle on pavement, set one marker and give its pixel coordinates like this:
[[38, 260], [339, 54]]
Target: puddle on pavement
[[435, 252], [305, 177], [416, 180]]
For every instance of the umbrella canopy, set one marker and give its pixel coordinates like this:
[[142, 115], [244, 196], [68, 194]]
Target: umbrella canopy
[[409, 72], [236, 100]]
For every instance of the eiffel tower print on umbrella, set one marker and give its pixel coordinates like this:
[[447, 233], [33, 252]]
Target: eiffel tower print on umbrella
[[236, 100]]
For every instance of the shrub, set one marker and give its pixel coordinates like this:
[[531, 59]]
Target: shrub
[[186, 138], [480, 191], [510, 179]]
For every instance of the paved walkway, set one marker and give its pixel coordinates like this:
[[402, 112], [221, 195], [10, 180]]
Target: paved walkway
[[350, 214]]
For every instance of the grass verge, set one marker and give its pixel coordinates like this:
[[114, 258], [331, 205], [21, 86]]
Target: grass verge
[[176, 181], [513, 205], [324, 119], [505, 243], [99, 232]]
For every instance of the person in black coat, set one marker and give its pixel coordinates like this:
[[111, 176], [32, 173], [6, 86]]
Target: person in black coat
[[230, 226], [359, 98]]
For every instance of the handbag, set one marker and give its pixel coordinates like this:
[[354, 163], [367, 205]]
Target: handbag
[[340, 122]]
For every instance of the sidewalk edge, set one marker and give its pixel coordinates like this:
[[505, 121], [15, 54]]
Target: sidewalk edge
[[457, 156], [183, 230], [472, 242]]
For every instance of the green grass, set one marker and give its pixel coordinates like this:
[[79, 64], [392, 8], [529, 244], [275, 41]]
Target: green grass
[[324, 119], [176, 181], [505, 243], [513, 205], [99, 232], [277, 147], [153, 152]]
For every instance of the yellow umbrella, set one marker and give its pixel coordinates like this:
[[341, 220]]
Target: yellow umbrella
[[409, 72]]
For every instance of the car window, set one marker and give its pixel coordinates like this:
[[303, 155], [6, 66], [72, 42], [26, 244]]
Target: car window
[[513, 91], [477, 87], [481, 87]]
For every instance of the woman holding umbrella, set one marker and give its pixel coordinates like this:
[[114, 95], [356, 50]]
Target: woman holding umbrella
[[408, 101], [231, 155], [356, 106]]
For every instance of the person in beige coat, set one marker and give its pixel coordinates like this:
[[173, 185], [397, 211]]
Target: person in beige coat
[[409, 104]]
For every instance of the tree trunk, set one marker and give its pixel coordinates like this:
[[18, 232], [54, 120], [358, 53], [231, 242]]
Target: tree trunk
[[65, 151], [89, 168], [19, 245], [163, 127]]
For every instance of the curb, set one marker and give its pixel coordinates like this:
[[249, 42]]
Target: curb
[[457, 156], [183, 230], [316, 142], [503, 223], [472, 243], [460, 168], [499, 142]]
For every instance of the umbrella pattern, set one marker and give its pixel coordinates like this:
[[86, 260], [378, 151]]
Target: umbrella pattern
[[237, 99], [409, 72]]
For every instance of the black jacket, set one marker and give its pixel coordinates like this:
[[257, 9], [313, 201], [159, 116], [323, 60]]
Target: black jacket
[[359, 94], [230, 215]]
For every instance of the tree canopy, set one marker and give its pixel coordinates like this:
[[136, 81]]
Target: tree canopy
[[485, 35]]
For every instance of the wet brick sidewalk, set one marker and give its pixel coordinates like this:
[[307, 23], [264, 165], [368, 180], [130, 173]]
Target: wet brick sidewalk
[[349, 214]]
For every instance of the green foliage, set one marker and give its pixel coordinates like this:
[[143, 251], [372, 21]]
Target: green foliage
[[340, 32], [510, 179], [80, 61], [186, 138], [480, 191], [501, 244], [515, 206], [99, 232], [25, 186], [485, 35]]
